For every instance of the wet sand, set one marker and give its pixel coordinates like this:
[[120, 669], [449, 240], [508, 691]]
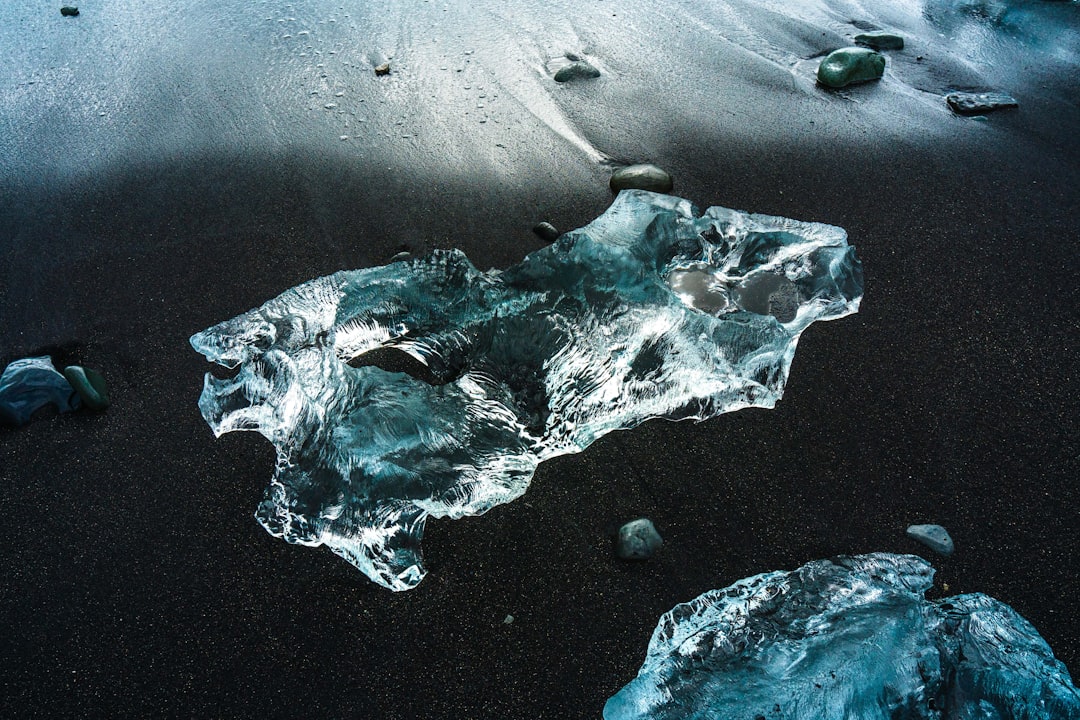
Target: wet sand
[[138, 583]]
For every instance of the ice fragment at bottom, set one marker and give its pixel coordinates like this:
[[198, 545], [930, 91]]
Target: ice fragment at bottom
[[651, 310], [851, 638]]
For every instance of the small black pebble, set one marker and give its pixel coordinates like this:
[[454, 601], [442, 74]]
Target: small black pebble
[[69, 11]]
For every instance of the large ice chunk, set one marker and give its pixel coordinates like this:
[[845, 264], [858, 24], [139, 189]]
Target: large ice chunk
[[852, 638], [652, 310]]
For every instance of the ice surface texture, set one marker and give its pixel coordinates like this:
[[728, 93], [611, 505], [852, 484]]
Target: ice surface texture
[[848, 638], [597, 332]]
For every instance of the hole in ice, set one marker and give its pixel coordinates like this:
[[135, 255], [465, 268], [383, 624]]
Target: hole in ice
[[768, 294], [394, 360], [699, 287], [224, 372]]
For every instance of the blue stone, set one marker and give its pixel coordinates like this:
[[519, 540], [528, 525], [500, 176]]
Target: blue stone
[[934, 537], [638, 540]]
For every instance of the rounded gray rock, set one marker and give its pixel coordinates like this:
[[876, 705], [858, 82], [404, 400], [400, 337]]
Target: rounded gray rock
[[638, 540], [641, 177], [577, 70], [546, 231]]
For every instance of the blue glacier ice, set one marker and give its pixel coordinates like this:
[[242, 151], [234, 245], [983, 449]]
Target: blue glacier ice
[[30, 384], [652, 310], [851, 637]]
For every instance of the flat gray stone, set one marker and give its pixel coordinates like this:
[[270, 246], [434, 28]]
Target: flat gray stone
[[638, 540], [934, 537], [641, 177], [963, 103], [880, 41]]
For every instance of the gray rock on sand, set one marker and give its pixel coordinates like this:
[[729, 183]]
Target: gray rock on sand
[[964, 103], [546, 231], [577, 70], [641, 177], [880, 41], [934, 537], [638, 540]]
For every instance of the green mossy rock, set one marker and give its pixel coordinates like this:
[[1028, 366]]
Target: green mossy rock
[[850, 65], [90, 386], [880, 40], [641, 177]]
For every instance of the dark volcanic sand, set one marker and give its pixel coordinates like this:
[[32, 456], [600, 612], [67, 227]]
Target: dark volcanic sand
[[138, 584]]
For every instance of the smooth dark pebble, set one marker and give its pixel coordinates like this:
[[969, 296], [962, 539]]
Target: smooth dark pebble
[[577, 70], [90, 385], [641, 177], [546, 231]]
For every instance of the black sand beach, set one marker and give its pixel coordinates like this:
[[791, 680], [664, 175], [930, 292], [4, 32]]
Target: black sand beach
[[137, 584]]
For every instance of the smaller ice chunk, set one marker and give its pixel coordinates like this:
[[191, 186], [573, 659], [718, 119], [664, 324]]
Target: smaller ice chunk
[[934, 537], [851, 637], [30, 384]]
